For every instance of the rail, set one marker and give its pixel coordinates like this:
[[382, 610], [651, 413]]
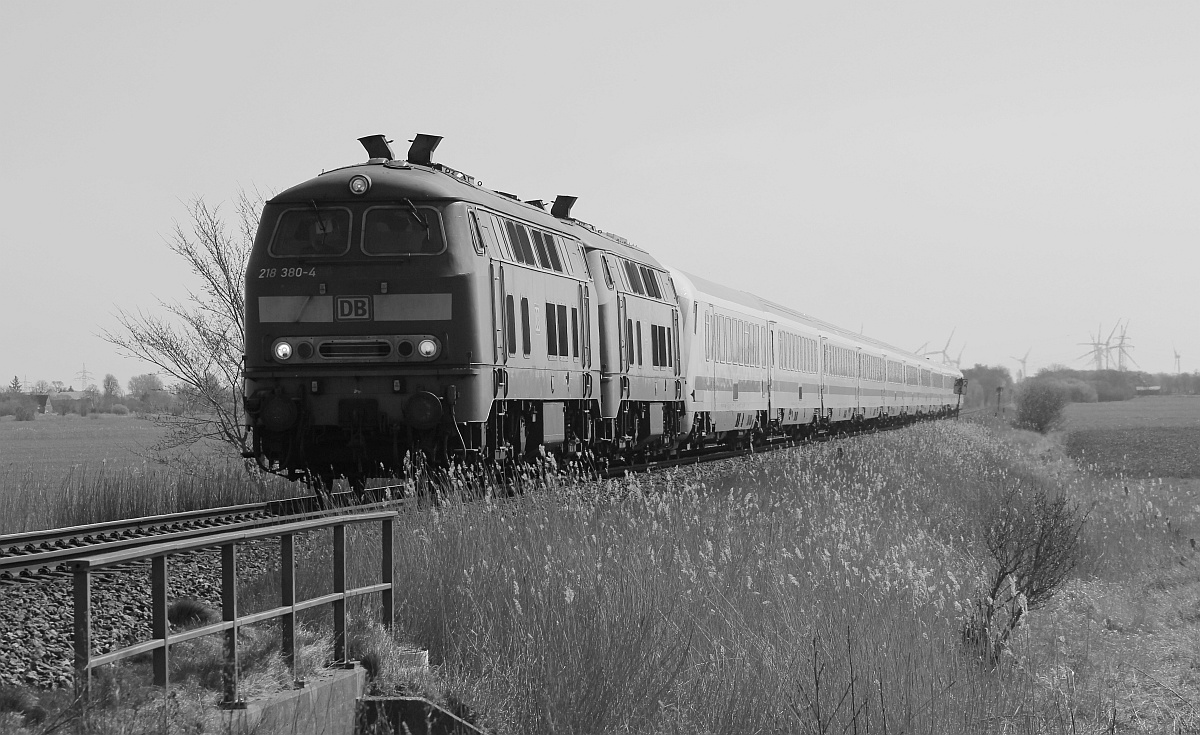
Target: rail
[[161, 635]]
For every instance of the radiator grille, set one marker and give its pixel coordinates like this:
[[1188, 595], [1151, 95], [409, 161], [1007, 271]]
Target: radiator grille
[[354, 349]]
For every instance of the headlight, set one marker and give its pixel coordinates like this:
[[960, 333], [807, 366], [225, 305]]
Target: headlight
[[282, 350], [427, 348], [359, 184]]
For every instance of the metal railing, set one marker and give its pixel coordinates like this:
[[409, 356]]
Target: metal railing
[[161, 636]]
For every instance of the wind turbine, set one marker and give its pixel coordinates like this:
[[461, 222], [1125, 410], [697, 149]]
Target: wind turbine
[[1122, 351], [1099, 351], [1023, 360], [958, 360], [1176, 359], [945, 355]]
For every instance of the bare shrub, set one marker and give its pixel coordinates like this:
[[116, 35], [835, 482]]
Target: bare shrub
[[120, 409], [1040, 404], [1034, 541], [199, 343], [24, 413]]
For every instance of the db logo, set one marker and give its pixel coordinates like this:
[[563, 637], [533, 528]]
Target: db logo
[[353, 308]]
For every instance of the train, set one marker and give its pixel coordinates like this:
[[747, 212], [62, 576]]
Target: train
[[398, 309]]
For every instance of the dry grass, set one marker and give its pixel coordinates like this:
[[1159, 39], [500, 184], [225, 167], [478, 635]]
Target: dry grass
[[822, 590]]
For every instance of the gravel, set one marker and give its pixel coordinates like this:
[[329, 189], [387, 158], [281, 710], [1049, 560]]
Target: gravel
[[37, 616]]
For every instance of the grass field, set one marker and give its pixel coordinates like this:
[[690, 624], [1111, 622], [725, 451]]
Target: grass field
[[59, 471], [56, 445], [1154, 436]]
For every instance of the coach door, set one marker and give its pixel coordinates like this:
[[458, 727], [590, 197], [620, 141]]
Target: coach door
[[858, 370], [770, 382]]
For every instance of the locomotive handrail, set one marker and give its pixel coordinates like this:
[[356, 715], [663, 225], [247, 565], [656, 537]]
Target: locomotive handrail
[[161, 635]]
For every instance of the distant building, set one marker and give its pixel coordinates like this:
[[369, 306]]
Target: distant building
[[1148, 390], [73, 401]]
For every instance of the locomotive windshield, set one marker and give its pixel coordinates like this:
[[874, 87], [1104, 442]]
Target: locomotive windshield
[[405, 230], [312, 231]]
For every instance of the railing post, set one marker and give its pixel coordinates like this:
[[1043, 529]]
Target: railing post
[[287, 586], [386, 573], [229, 615], [83, 634], [158, 613], [339, 586]]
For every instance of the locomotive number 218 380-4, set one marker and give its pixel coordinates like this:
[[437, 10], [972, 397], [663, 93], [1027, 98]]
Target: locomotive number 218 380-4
[[296, 272]]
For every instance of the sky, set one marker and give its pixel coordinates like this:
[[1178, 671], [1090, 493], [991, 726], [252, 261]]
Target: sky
[[1017, 175]]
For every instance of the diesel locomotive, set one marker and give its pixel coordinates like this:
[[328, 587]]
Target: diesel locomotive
[[397, 308]]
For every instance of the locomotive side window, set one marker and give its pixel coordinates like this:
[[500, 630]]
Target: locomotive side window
[[608, 276], [311, 231], [511, 318], [402, 231], [552, 251], [525, 345], [521, 248], [649, 277], [493, 239], [562, 329], [635, 278], [551, 329], [629, 341], [539, 247], [476, 233], [574, 332], [639, 341]]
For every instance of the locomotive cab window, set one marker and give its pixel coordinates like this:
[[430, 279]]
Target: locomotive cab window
[[311, 231], [402, 230]]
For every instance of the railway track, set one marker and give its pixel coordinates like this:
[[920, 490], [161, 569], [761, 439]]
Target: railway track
[[40, 555]]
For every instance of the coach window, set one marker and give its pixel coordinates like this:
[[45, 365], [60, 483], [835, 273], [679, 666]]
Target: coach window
[[511, 323], [310, 231], [525, 344], [408, 230]]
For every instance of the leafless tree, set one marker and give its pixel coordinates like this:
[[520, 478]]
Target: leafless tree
[[199, 342]]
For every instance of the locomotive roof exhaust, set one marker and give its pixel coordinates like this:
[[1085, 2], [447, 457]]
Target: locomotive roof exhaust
[[562, 206], [422, 148], [377, 147]]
